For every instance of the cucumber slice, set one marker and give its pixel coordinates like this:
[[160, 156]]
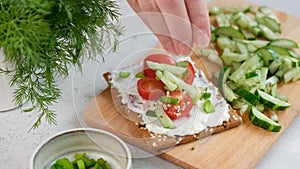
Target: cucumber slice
[[256, 30], [281, 51], [268, 55], [193, 91], [292, 74], [222, 20], [271, 24], [171, 86], [294, 54], [224, 42], [248, 34], [242, 47], [229, 31], [249, 65], [173, 69], [268, 33], [165, 120], [274, 66], [272, 102], [229, 57], [285, 43], [247, 95], [263, 73], [261, 120], [257, 43]]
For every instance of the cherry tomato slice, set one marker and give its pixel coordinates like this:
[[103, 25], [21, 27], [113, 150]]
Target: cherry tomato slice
[[150, 88], [183, 108], [189, 78], [159, 58]]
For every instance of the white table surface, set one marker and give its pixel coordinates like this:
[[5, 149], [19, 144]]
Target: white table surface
[[17, 143]]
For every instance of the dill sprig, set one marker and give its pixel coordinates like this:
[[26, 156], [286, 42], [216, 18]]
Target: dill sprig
[[42, 39]]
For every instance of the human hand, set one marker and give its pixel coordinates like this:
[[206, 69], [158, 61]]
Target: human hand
[[176, 23]]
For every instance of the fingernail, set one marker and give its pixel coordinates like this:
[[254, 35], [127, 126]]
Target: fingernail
[[202, 38]]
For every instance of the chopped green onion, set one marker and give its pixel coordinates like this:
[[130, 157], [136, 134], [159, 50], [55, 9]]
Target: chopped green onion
[[140, 75], [80, 164], [205, 95], [103, 164], [182, 64], [208, 107], [124, 74], [169, 100], [251, 74], [151, 113], [79, 156], [63, 163]]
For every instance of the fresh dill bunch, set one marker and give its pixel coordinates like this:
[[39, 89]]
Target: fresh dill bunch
[[42, 39]]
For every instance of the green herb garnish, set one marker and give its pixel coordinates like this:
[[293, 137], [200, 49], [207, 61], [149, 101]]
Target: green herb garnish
[[140, 75], [44, 39], [124, 75], [81, 162], [205, 95], [151, 113], [208, 107], [170, 100]]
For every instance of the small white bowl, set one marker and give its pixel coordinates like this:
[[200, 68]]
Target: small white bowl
[[94, 142]]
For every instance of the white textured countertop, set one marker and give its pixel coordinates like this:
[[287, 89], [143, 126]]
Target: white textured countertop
[[17, 144]]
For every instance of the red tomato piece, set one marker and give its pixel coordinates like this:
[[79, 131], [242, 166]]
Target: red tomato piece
[[183, 108], [159, 58], [190, 76], [150, 88]]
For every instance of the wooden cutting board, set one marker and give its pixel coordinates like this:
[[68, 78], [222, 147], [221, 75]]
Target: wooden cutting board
[[241, 147]]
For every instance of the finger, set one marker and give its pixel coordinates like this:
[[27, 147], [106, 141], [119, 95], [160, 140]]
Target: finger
[[199, 17], [151, 15], [178, 23]]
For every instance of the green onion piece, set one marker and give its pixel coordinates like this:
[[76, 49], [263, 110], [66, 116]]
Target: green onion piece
[[251, 74], [79, 156], [169, 100], [103, 164], [80, 164], [205, 95], [182, 64], [89, 163], [151, 113], [124, 74], [208, 107], [140, 75], [97, 166], [65, 163]]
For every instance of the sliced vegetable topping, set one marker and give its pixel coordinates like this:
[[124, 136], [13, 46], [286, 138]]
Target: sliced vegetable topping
[[158, 58], [124, 74], [182, 108], [255, 60], [208, 107], [261, 120], [165, 120], [170, 100], [150, 88], [82, 161]]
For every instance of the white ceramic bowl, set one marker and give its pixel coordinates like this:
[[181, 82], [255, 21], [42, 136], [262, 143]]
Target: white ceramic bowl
[[94, 142]]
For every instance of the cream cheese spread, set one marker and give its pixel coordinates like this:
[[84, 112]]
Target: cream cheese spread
[[195, 122]]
